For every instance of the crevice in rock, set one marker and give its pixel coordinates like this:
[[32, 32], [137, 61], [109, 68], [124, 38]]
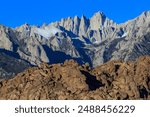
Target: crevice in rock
[[91, 80], [143, 92], [117, 68]]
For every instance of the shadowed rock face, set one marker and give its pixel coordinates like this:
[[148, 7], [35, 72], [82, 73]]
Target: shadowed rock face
[[11, 64], [113, 80]]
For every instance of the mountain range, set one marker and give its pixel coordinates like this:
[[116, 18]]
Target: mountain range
[[93, 41]]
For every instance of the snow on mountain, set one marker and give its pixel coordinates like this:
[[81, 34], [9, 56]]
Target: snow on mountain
[[47, 32], [125, 34], [95, 40]]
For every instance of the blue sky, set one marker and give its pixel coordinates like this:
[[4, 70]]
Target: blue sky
[[35, 12]]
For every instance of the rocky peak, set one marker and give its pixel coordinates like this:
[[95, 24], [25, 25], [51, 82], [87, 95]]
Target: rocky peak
[[23, 27], [25, 30], [76, 18], [44, 25], [146, 13], [100, 16], [97, 20], [138, 26], [76, 21], [84, 25], [67, 23]]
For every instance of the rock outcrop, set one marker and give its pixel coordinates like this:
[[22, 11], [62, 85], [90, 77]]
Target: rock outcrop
[[113, 80]]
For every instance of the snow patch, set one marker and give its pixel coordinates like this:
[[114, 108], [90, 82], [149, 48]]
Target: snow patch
[[96, 42], [125, 34], [47, 32]]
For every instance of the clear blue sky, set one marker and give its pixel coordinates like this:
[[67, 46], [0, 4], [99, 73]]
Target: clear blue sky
[[16, 12]]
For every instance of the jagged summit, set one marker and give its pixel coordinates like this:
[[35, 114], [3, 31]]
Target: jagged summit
[[100, 12], [99, 16], [146, 13]]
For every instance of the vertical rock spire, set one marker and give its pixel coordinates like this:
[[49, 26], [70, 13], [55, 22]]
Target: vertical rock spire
[[76, 25], [84, 24]]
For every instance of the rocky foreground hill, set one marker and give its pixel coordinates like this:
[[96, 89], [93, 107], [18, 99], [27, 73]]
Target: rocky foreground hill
[[112, 80]]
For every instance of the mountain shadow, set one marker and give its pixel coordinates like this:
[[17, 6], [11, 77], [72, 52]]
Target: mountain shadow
[[58, 57]]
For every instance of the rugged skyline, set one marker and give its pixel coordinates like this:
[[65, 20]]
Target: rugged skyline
[[94, 40]]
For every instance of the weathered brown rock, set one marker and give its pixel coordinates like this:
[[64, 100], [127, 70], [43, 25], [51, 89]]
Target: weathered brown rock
[[113, 80]]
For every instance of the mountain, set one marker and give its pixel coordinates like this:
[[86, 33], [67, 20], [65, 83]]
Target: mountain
[[94, 40], [10, 64], [113, 80]]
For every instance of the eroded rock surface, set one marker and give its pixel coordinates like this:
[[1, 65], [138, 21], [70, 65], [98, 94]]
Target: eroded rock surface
[[113, 80]]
